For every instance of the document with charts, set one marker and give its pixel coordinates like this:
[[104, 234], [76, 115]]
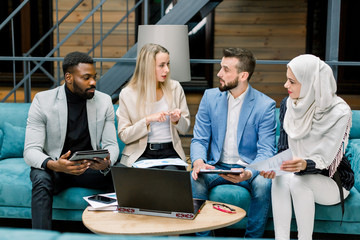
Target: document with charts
[[271, 164]]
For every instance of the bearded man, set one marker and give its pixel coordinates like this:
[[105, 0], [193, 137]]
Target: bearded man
[[72, 117], [235, 124]]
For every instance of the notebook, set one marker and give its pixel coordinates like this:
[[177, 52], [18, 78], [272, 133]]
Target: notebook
[[155, 192]]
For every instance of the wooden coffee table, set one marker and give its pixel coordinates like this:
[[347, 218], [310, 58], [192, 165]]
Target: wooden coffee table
[[110, 222]]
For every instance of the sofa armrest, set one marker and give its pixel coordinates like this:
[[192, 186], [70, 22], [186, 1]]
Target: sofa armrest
[[353, 154]]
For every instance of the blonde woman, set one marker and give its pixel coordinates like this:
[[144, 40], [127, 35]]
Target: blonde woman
[[152, 110]]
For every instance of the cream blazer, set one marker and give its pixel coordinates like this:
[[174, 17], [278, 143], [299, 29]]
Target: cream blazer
[[133, 131]]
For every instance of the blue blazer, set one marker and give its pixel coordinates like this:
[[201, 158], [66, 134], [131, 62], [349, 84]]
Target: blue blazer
[[255, 133]]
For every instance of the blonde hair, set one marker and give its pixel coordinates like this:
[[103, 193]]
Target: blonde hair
[[144, 79]]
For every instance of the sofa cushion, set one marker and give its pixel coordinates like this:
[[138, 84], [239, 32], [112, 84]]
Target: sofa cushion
[[333, 212], [15, 187], [14, 113], [355, 128], [13, 141], [277, 114], [15, 170], [1, 140], [353, 154]]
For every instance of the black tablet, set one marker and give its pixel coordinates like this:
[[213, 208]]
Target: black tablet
[[90, 155]]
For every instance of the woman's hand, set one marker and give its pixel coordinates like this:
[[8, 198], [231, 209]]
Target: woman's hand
[[268, 174], [157, 117], [295, 165], [175, 116]]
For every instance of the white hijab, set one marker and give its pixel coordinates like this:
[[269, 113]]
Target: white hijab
[[318, 122]]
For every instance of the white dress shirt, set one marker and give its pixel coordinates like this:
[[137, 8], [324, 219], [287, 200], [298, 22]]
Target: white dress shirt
[[230, 154]]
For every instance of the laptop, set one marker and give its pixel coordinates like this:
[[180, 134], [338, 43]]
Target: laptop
[[155, 192]]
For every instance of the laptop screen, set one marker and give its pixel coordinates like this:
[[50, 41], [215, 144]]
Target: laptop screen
[[153, 189]]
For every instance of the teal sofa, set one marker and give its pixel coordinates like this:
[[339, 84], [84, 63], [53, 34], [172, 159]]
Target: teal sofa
[[15, 184], [327, 218]]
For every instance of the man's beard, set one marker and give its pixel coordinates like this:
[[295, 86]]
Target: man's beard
[[229, 85], [84, 94]]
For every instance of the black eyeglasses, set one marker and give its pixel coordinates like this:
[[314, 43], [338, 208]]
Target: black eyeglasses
[[223, 208]]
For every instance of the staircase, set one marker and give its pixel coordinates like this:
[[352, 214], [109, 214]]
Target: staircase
[[183, 12]]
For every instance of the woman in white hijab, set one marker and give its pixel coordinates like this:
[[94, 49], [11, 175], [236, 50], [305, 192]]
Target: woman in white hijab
[[315, 125]]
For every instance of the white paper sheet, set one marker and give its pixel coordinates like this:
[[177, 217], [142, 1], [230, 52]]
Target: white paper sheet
[[271, 164], [159, 162]]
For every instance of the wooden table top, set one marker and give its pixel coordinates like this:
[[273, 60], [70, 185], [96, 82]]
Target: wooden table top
[[112, 222]]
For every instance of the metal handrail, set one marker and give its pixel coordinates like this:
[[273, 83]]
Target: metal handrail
[[38, 61], [201, 61], [6, 21], [12, 15], [116, 25], [53, 28], [27, 87], [53, 50]]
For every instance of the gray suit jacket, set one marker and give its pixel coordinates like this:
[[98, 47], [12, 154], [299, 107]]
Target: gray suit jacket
[[47, 124]]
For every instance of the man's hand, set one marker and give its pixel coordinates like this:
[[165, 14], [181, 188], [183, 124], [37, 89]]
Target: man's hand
[[236, 178], [197, 165], [100, 164], [67, 166], [295, 165]]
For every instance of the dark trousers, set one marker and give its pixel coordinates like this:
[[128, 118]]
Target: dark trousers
[[159, 154], [46, 184]]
